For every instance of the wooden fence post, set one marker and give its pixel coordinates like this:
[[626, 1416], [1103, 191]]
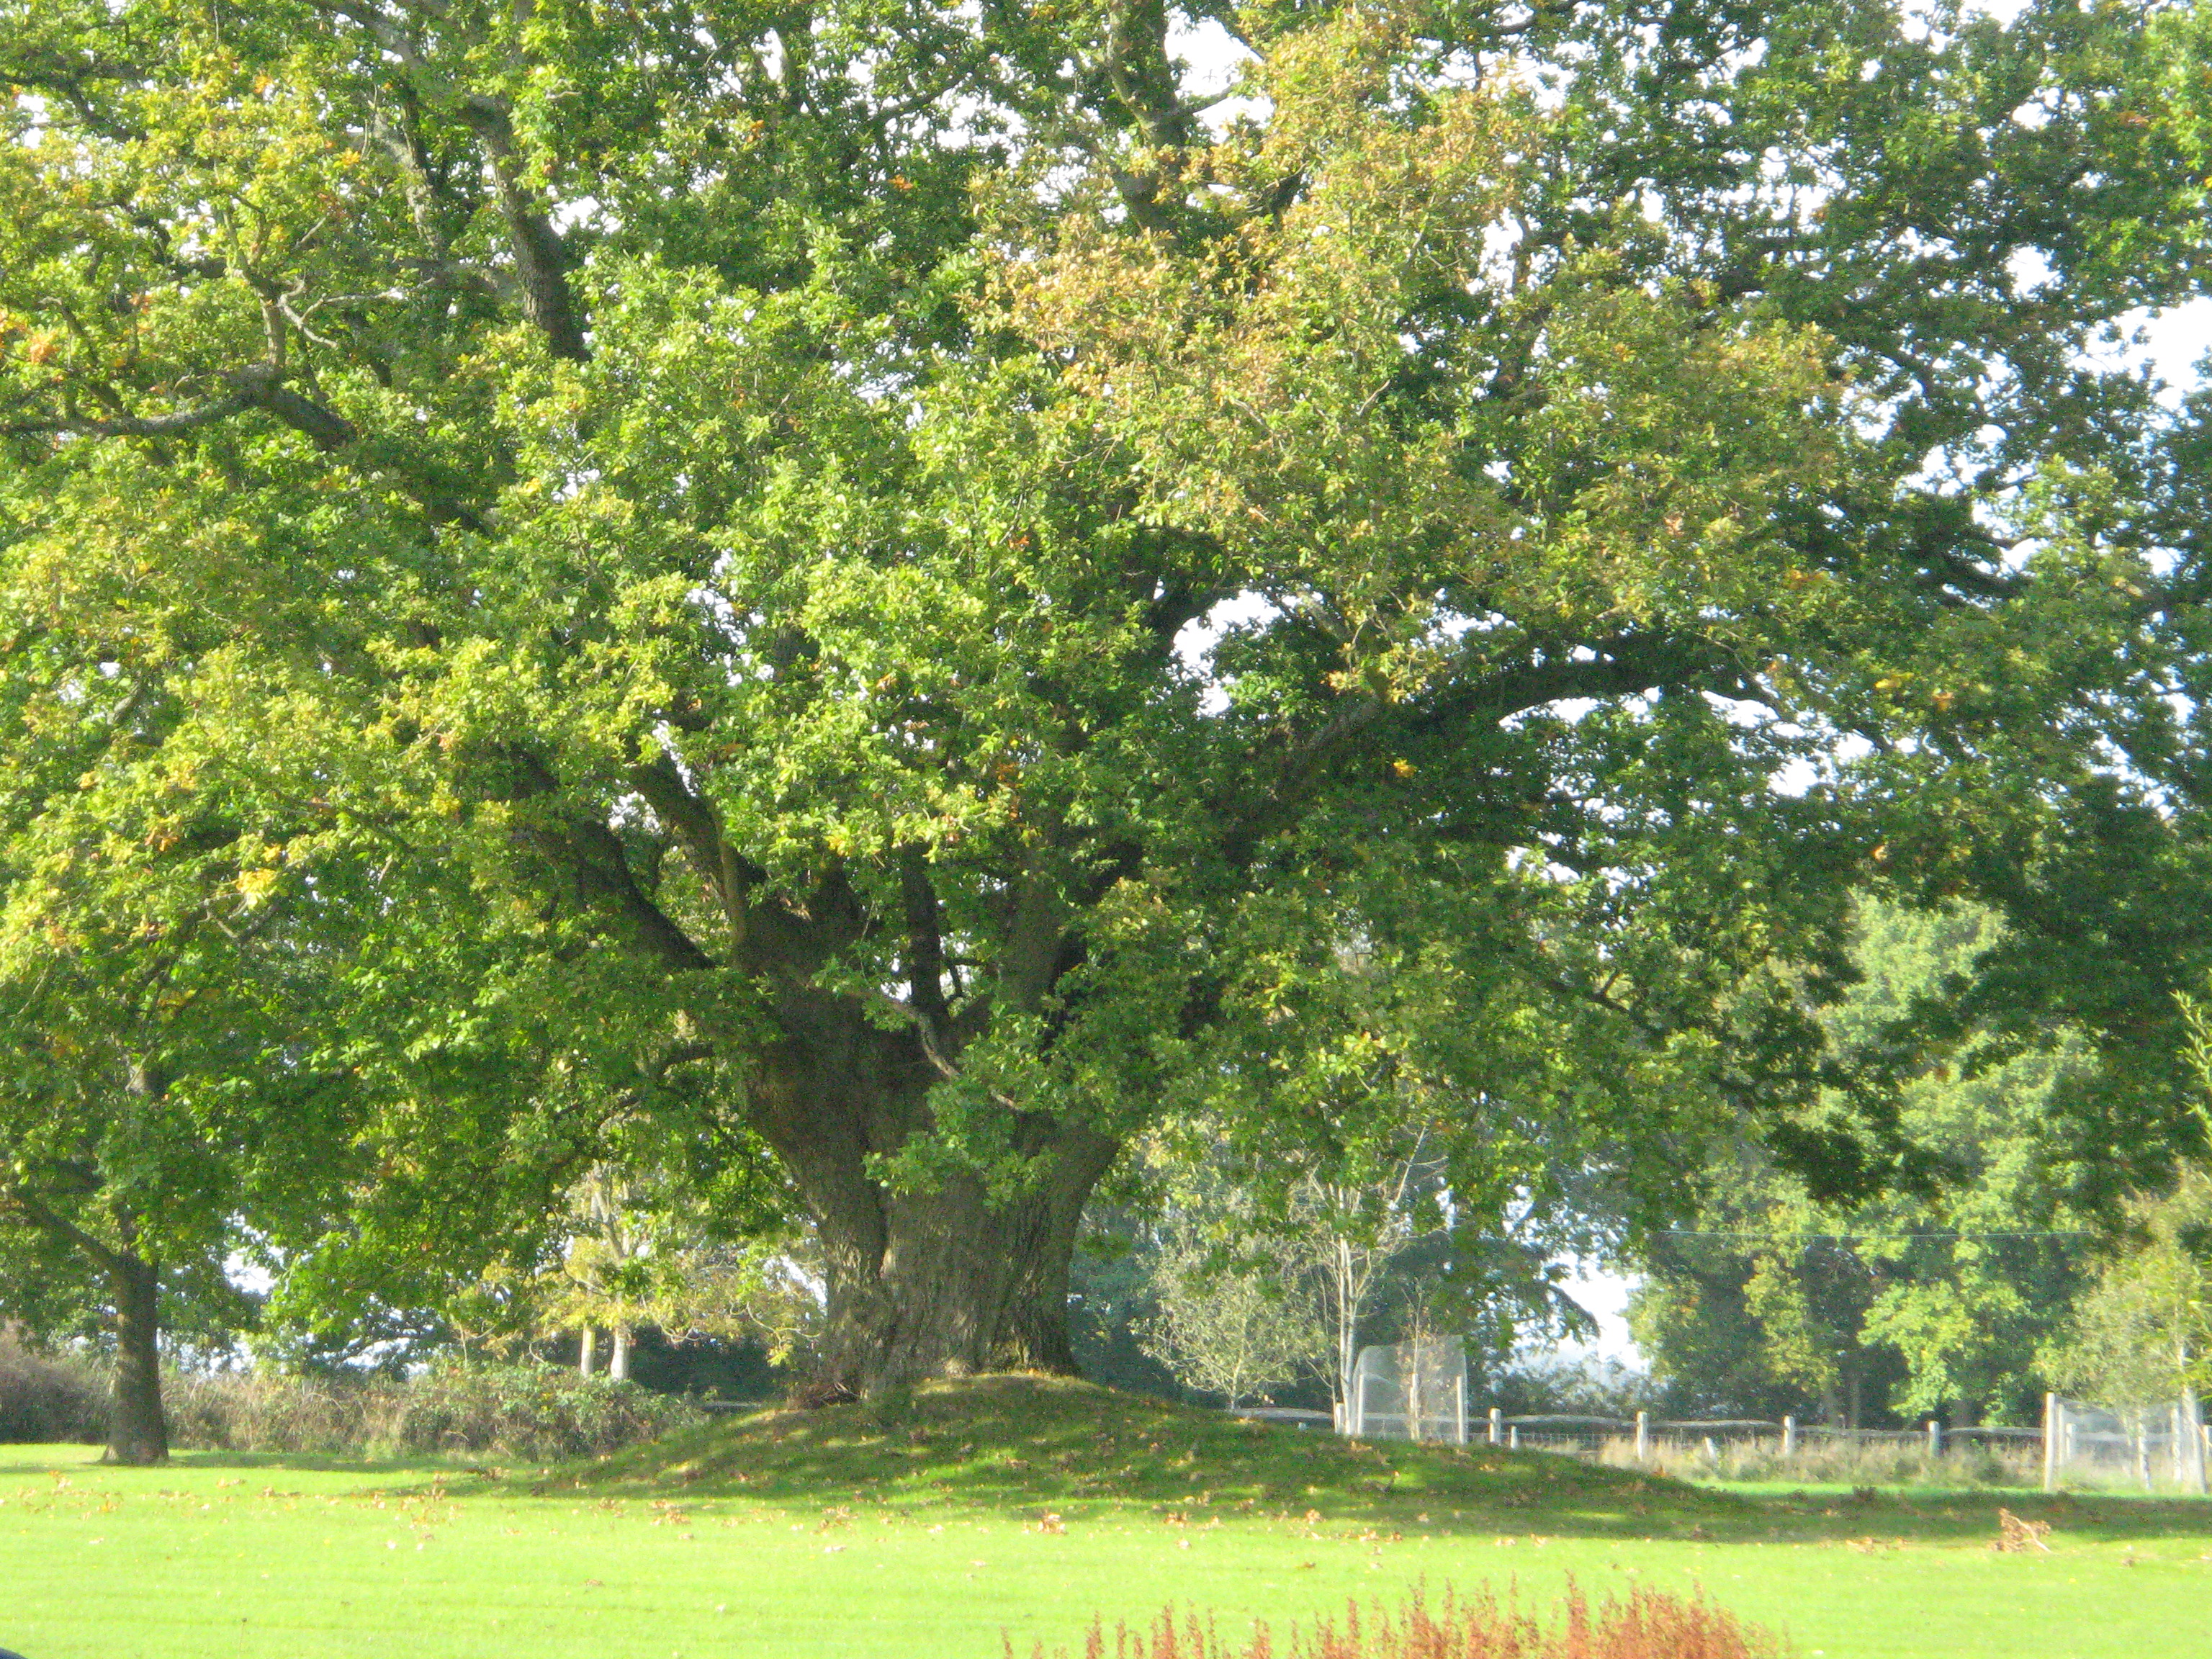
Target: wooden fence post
[[2189, 1442], [2051, 1442]]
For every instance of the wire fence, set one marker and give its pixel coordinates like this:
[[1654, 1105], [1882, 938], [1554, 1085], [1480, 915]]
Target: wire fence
[[1620, 1437], [2155, 1444], [1555, 1432], [1754, 1449], [1419, 1391]]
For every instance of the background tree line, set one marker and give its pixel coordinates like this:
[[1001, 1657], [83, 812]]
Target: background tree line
[[1996, 1269]]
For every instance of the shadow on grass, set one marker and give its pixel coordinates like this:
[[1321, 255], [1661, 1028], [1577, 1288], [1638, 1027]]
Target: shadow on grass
[[1049, 1445], [20, 1460], [1034, 1447]]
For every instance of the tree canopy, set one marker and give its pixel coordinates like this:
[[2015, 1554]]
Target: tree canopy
[[897, 574]]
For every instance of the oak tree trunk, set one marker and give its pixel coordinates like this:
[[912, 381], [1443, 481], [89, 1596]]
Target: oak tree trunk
[[942, 1280], [948, 1283], [136, 1432]]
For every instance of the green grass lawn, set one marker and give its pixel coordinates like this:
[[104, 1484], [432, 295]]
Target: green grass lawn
[[927, 1529]]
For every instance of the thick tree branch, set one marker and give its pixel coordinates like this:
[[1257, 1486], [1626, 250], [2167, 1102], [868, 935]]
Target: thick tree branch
[[540, 256], [1621, 666], [689, 818], [1137, 66], [582, 849], [768, 936], [590, 856], [151, 426], [1030, 959], [400, 138], [925, 939], [1617, 666], [71, 81], [261, 387], [38, 1214], [547, 299]]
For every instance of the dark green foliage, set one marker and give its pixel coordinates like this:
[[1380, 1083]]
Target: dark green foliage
[[1715, 1356], [713, 1368], [529, 1413], [49, 1396], [1110, 1298], [1936, 1298]]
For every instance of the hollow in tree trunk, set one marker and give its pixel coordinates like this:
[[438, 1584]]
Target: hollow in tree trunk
[[136, 1432]]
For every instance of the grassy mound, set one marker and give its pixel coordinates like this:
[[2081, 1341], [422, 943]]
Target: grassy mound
[[1068, 1447]]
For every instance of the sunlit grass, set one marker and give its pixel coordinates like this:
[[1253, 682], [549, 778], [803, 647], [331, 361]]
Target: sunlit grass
[[936, 1528]]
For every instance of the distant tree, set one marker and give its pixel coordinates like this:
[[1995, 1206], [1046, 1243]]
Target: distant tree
[[1937, 1297], [1112, 1299], [637, 1252], [159, 1091], [1763, 1321], [608, 1270], [2142, 1331], [1351, 1232], [1330, 1267], [1234, 1313]]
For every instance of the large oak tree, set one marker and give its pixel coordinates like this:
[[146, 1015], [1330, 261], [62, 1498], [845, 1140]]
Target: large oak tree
[[945, 594]]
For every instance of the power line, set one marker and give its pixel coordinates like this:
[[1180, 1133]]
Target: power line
[[1882, 1238]]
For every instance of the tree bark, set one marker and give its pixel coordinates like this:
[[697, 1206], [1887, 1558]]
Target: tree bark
[[137, 1433], [958, 1285], [949, 1284], [946, 1280]]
